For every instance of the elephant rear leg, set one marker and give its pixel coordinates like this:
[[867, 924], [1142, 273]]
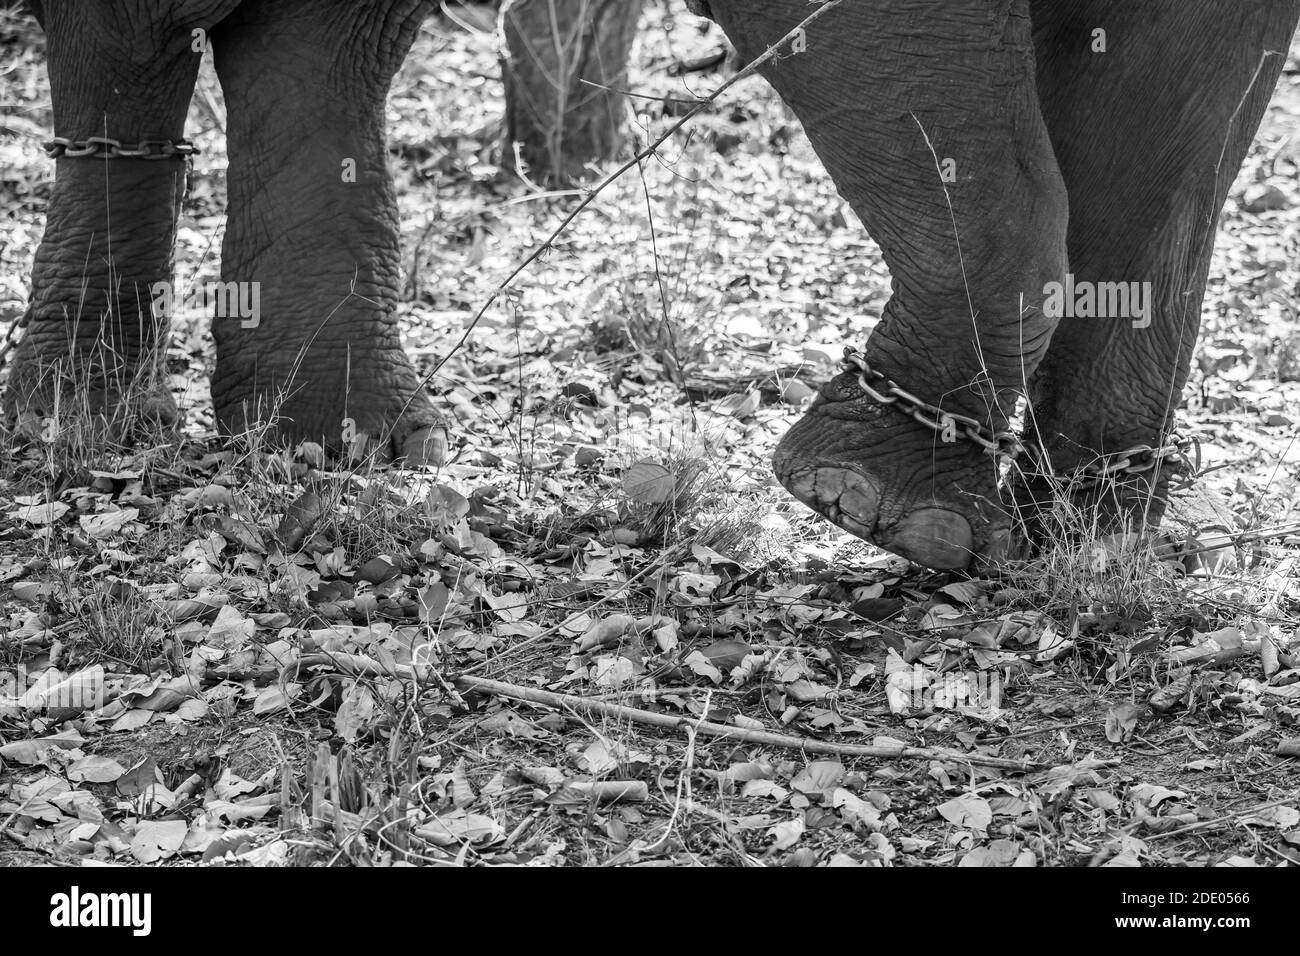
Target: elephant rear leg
[[312, 239], [1149, 134]]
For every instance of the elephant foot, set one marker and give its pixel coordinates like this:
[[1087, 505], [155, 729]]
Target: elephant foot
[[412, 444], [1074, 504], [411, 433], [386, 427], [1186, 525], [118, 420], [426, 447], [895, 483], [43, 401], [937, 537]]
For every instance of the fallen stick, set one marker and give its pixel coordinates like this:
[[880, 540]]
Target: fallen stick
[[186, 789], [711, 729], [1222, 821], [611, 791], [358, 664]]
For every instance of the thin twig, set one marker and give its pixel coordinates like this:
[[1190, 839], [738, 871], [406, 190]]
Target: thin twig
[[1220, 821]]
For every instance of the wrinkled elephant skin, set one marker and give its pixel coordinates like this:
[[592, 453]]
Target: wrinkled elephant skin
[[998, 151], [311, 237]]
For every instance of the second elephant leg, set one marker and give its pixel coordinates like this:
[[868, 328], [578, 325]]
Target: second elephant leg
[[313, 224], [925, 114], [1148, 149]]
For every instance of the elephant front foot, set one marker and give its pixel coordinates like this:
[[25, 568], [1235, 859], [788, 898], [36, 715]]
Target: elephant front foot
[[372, 418], [415, 437], [885, 478]]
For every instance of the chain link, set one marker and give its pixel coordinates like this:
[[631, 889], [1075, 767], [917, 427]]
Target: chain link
[[1135, 461], [1003, 445], [104, 147], [999, 444]]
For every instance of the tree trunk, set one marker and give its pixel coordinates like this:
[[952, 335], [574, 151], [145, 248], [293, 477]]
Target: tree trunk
[[564, 67]]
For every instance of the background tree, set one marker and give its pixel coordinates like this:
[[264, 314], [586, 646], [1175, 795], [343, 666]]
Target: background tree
[[564, 65]]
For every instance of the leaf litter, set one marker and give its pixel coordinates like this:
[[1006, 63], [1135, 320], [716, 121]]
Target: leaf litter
[[246, 658]]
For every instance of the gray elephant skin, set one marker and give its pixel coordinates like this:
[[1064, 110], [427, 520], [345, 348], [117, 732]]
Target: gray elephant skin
[[312, 217], [1010, 157]]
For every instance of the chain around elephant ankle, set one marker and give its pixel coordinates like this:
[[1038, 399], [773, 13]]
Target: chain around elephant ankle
[[1002, 444], [1005, 445], [105, 147], [1136, 460]]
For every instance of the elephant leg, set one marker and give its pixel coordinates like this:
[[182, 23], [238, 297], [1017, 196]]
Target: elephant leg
[[124, 71], [1149, 135], [925, 114], [312, 236]]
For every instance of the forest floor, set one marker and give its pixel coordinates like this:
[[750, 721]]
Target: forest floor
[[235, 657]]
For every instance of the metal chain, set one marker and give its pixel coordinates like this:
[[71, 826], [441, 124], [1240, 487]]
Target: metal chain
[[1000, 444], [1135, 461], [1003, 444], [104, 147]]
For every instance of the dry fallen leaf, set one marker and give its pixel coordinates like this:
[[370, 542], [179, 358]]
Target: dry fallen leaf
[[969, 811], [95, 770], [647, 483], [156, 840], [108, 523]]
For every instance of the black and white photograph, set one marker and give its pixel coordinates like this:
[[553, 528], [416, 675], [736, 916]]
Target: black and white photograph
[[650, 434]]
